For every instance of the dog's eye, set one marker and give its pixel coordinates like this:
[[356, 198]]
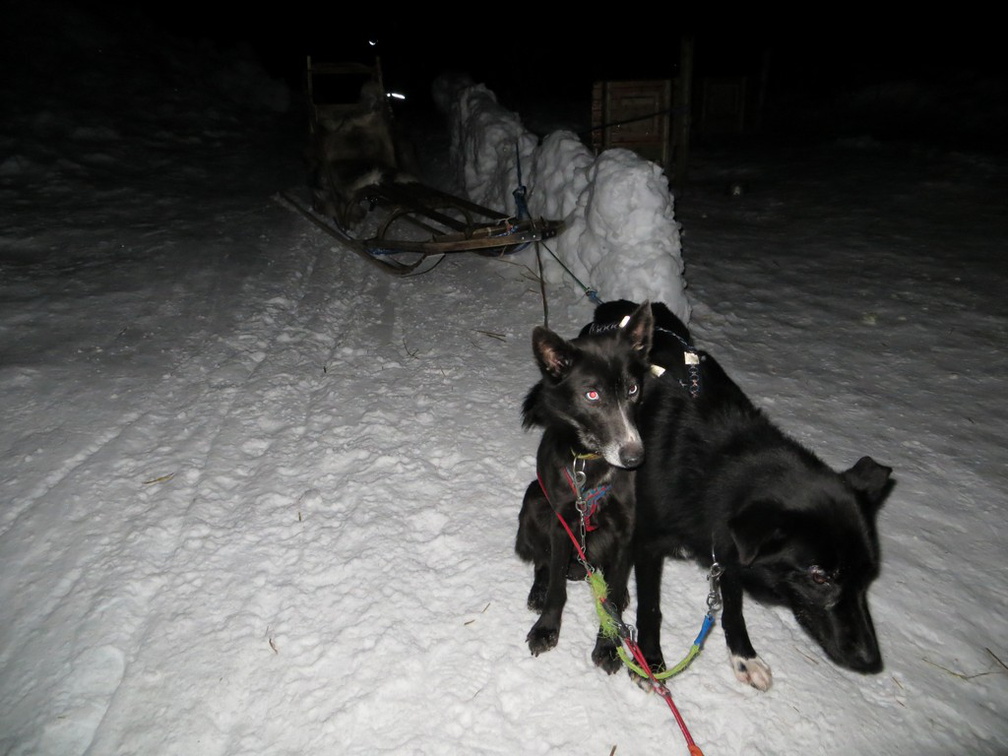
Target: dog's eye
[[818, 574], [633, 389], [592, 395]]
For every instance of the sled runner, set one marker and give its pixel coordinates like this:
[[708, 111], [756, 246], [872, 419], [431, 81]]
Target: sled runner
[[395, 248], [365, 194]]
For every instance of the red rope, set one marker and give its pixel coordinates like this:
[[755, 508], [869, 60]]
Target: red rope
[[635, 651], [663, 691], [563, 522]]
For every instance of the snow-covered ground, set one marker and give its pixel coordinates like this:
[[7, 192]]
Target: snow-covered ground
[[258, 497]]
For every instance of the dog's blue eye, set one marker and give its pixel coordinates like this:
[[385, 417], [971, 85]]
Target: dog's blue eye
[[592, 395]]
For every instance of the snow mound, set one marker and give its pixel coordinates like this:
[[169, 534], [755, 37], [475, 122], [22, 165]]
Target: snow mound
[[621, 238]]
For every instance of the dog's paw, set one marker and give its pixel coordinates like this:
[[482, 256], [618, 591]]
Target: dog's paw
[[643, 682], [606, 656], [541, 638], [754, 671]]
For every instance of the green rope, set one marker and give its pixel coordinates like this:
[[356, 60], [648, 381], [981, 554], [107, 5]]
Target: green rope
[[686, 660], [607, 623], [694, 650], [610, 628]]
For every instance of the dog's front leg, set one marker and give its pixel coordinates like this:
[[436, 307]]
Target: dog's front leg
[[747, 666], [648, 566], [546, 631]]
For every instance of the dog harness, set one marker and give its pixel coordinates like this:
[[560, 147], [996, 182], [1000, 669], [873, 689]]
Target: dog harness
[[587, 502], [691, 358]]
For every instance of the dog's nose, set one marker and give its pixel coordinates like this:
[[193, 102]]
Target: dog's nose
[[631, 456], [867, 660]]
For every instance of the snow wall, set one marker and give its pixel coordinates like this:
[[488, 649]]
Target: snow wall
[[620, 236]]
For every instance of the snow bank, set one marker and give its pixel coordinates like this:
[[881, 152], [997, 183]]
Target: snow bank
[[620, 238]]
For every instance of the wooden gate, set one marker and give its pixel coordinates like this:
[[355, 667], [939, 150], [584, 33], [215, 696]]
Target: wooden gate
[[649, 116]]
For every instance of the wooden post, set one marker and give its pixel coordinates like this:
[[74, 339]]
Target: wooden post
[[683, 107], [763, 81]]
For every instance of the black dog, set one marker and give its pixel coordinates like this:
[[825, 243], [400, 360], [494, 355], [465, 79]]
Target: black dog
[[586, 403], [721, 482]]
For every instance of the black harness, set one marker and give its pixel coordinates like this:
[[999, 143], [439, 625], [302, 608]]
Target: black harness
[[691, 357]]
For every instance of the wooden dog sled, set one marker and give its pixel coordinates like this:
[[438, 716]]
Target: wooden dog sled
[[356, 166]]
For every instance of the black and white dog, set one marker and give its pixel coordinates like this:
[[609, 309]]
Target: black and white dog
[[721, 482], [586, 403]]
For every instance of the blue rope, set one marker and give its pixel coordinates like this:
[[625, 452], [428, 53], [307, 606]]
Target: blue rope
[[592, 294], [523, 213], [708, 623], [519, 193], [519, 196]]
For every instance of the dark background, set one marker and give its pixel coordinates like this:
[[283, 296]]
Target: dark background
[[519, 47], [835, 68]]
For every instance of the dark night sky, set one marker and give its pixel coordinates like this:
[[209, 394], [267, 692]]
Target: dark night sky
[[524, 56], [514, 47]]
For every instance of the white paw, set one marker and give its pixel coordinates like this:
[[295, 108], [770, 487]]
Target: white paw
[[754, 671]]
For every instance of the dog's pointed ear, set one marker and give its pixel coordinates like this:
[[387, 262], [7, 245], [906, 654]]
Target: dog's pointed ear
[[871, 481], [554, 354], [639, 328], [758, 529]]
